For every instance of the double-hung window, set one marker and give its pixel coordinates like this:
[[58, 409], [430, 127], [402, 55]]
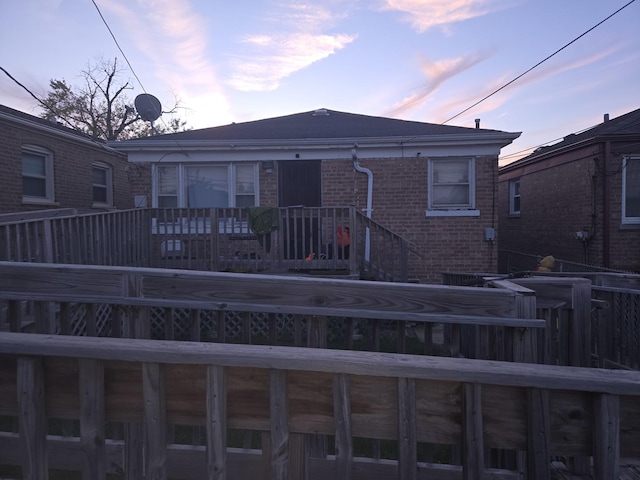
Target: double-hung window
[[102, 183], [514, 197], [37, 174], [631, 189], [206, 186], [452, 189]]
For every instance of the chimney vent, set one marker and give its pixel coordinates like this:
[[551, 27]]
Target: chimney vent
[[606, 117], [477, 123]]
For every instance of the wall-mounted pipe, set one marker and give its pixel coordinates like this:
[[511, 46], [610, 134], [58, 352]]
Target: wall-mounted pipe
[[369, 208]]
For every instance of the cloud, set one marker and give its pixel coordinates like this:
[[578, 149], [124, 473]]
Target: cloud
[[437, 73], [174, 38], [425, 14], [301, 41], [283, 56]]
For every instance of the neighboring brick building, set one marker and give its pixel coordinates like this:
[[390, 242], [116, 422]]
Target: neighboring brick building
[[579, 199], [47, 166], [432, 184]]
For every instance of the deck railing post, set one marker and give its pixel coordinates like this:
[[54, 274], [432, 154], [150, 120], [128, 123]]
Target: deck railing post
[[407, 438], [92, 435], [279, 415], [32, 418], [472, 432], [606, 436]]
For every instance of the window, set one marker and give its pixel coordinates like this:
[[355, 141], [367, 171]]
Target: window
[[206, 186], [514, 197], [452, 187], [102, 184], [631, 189], [37, 175]]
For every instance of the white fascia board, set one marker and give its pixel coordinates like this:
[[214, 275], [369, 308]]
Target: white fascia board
[[330, 149]]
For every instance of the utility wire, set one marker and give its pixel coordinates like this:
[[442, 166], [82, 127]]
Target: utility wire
[[118, 45], [25, 88], [538, 64]]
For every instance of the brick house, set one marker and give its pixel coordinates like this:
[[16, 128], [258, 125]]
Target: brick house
[[432, 184], [579, 199], [48, 166]]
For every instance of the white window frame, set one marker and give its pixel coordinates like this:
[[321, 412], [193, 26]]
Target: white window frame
[[468, 210], [629, 220], [182, 197], [47, 156], [513, 195], [108, 187]]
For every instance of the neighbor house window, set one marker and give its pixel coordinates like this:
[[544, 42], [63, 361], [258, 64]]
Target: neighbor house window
[[514, 197], [102, 182], [206, 186], [37, 175], [631, 189], [452, 187]]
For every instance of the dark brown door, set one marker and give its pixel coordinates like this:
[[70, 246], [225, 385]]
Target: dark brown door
[[299, 185]]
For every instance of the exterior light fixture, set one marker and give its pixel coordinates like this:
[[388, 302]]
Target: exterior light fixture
[[268, 167]]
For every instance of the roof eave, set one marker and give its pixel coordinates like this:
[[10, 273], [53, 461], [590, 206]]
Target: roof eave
[[493, 138]]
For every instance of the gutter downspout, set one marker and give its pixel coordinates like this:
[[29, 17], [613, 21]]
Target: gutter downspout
[[606, 222], [368, 209]]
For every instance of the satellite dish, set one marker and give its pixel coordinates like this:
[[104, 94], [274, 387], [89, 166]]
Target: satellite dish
[[148, 107]]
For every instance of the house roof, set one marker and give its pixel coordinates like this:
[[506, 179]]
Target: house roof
[[318, 124], [624, 125], [50, 127]]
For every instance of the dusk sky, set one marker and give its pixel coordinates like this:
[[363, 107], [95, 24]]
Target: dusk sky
[[423, 60]]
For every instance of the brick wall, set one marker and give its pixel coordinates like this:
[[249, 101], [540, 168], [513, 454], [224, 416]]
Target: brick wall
[[72, 167], [562, 196], [399, 204]]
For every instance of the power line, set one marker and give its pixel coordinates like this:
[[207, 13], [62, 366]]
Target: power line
[[538, 64], [118, 45], [25, 88]]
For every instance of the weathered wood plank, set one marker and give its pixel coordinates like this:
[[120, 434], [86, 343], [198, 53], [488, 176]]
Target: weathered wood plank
[[92, 414], [407, 439], [538, 435], [606, 437], [155, 421], [320, 360], [342, 419], [279, 413], [216, 423], [472, 432], [412, 302], [32, 418]]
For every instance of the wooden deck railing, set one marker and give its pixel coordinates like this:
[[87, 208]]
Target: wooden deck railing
[[283, 393], [399, 412], [604, 332], [302, 240]]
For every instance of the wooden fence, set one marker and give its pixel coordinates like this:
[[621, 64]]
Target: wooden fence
[[604, 332], [284, 393], [310, 412]]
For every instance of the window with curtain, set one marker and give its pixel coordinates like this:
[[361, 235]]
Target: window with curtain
[[37, 174], [451, 184], [206, 186], [631, 189], [167, 186], [514, 197], [102, 184]]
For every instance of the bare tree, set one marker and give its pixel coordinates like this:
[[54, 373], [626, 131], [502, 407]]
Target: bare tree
[[100, 107]]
